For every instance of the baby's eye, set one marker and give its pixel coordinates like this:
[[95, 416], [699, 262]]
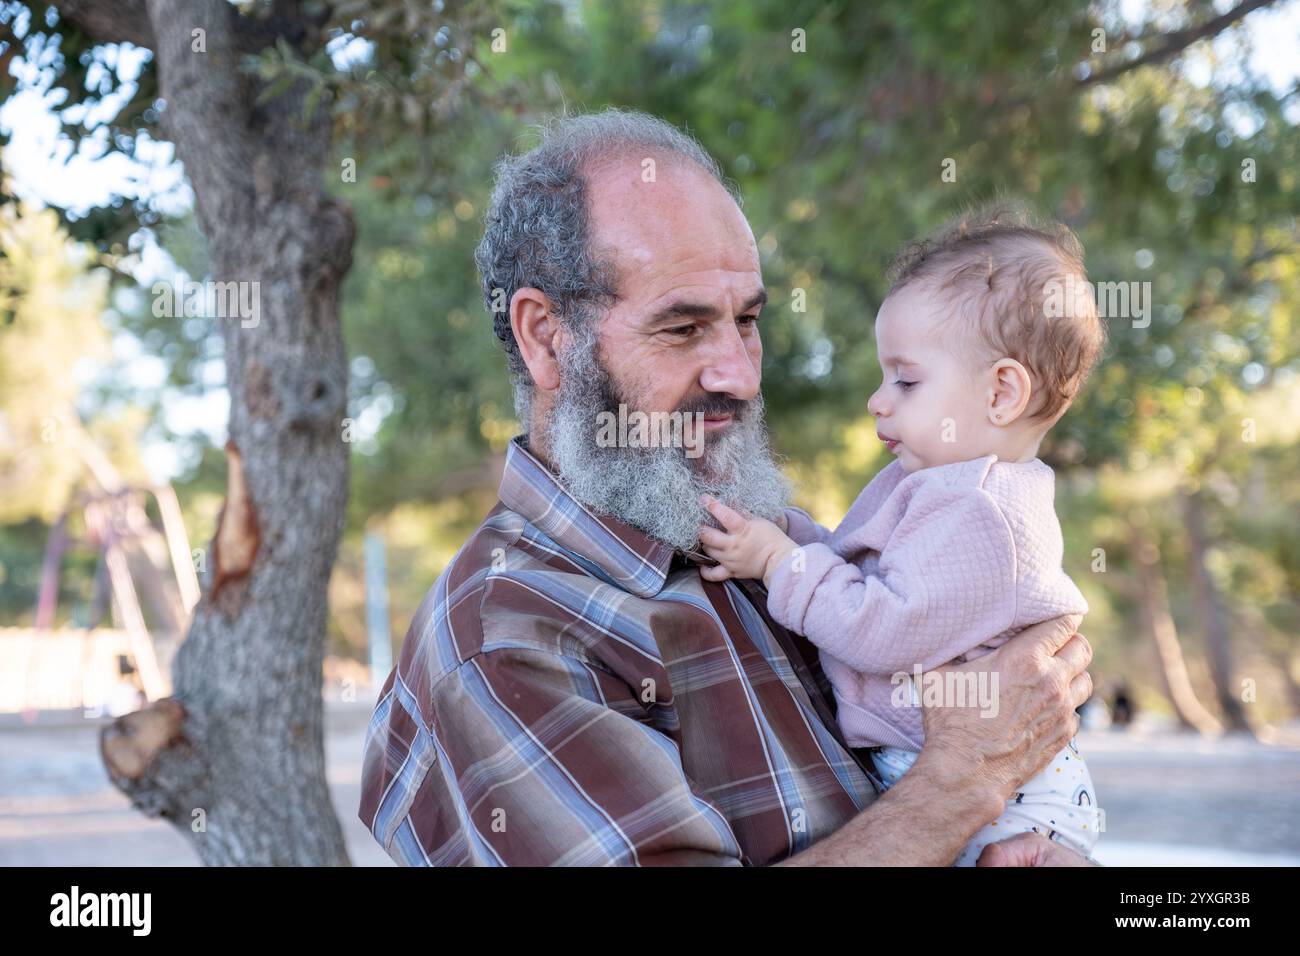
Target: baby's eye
[[905, 386]]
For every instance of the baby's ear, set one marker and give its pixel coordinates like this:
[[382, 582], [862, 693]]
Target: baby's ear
[[1009, 391]]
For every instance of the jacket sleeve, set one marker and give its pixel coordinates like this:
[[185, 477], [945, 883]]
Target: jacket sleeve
[[945, 583]]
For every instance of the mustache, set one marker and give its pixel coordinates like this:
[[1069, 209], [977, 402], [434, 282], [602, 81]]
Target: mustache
[[714, 404], [710, 405]]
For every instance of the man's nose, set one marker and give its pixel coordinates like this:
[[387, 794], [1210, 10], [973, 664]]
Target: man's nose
[[730, 368]]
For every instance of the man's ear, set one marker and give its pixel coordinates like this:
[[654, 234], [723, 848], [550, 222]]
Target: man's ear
[[1009, 391], [539, 335]]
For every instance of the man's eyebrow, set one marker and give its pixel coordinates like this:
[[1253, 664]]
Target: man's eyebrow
[[700, 310]]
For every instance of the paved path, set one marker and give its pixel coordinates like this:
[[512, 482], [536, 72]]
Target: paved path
[[1164, 791], [57, 807], [1169, 799]]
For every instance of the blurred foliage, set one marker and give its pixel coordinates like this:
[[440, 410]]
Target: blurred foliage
[[1181, 173], [52, 298], [51, 321]]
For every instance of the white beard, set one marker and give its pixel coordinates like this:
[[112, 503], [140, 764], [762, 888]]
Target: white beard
[[657, 489]]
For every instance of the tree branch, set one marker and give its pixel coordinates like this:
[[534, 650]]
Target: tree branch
[[1176, 41], [127, 21], [118, 21]]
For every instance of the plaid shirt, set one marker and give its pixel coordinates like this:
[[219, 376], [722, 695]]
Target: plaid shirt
[[572, 692]]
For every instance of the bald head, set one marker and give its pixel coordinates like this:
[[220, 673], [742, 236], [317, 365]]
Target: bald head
[[661, 223]]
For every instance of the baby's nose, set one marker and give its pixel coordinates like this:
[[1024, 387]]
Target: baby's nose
[[876, 405]]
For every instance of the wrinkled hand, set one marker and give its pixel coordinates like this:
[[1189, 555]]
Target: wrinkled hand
[[1030, 849], [746, 547], [1042, 678]]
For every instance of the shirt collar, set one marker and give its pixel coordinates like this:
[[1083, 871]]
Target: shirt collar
[[628, 556]]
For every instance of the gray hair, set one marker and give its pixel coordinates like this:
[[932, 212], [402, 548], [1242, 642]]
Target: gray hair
[[537, 225]]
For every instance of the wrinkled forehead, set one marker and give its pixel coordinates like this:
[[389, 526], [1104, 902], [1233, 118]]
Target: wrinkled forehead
[[662, 217]]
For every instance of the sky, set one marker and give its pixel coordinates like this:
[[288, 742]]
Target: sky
[[45, 170]]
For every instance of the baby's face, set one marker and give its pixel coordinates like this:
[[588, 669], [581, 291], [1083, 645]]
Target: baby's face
[[932, 407]]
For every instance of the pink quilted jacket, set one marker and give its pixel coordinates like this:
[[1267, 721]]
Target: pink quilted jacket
[[942, 564]]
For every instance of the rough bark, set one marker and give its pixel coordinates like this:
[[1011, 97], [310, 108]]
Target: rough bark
[[1153, 603], [242, 738], [1210, 609]]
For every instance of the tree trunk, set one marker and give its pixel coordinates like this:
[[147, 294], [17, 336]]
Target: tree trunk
[[236, 759], [1153, 602], [1209, 607]]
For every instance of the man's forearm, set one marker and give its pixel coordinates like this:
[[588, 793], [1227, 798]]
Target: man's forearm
[[923, 820]]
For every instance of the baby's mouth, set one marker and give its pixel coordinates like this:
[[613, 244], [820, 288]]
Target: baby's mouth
[[890, 443]]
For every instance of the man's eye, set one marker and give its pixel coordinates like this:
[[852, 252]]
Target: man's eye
[[682, 331], [748, 320], [905, 386]]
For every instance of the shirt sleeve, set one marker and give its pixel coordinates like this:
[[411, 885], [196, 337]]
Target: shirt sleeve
[[946, 581], [538, 759]]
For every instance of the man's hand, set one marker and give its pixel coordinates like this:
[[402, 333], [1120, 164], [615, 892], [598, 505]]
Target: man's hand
[[746, 547], [1042, 677], [1030, 849], [970, 763]]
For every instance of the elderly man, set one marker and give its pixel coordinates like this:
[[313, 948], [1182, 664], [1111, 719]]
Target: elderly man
[[572, 691]]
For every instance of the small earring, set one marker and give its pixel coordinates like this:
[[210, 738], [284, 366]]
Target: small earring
[[997, 417]]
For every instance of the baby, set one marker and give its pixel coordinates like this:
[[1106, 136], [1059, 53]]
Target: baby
[[985, 337]]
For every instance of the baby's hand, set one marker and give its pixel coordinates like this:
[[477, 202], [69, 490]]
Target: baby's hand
[[749, 547]]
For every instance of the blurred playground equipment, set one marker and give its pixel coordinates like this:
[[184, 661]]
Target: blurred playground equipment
[[145, 585]]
